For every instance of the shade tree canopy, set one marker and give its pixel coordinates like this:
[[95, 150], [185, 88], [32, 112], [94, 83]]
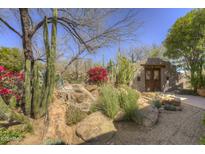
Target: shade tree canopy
[[185, 44]]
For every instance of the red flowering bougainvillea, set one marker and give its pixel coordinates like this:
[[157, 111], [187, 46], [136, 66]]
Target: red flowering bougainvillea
[[11, 83], [97, 74]]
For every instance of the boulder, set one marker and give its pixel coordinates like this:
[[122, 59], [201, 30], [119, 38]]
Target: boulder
[[96, 127], [76, 95], [91, 88], [120, 116], [79, 97], [149, 115], [95, 93], [56, 124], [171, 100]]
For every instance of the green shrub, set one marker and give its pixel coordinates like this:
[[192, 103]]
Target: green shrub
[[74, 115], [108, 100], [112, 100], [157, 103], [11, 58], [124, 70], [9, 135], [128, 98]]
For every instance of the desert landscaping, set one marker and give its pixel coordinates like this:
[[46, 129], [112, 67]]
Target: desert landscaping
[[153, 95]]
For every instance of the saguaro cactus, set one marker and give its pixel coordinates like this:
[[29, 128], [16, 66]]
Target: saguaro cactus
[[36, 91], [50, 69], [27, 87]]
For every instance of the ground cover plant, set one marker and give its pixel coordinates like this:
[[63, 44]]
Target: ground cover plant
[[10, 135], [157, 103], [74, 115]]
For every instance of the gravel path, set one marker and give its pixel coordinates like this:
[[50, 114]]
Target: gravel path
[[196, 101], [173, 127]]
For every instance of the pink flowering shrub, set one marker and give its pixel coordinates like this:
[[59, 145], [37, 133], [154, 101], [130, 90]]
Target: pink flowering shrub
[[11, 84], [97, 74]]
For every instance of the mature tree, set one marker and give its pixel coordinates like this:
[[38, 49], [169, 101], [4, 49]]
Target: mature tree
[[157, 51], [11, 58], [88, 28], [139, 53], [146, 51], [28, 31], [185, 43]]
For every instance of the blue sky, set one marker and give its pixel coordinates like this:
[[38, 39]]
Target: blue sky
[[157, 22], [154, 30]]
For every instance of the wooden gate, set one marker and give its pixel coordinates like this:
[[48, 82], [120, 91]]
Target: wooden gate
[[152, 79]]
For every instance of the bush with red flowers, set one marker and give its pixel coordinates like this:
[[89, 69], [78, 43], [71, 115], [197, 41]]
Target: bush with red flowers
[[97, 75], [11, 84]]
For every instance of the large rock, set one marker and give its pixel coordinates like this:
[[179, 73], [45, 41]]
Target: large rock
[[91, 88], [120, 116], [170, 99], [56, 125], [149, 114], [95, 127], [76, 95]]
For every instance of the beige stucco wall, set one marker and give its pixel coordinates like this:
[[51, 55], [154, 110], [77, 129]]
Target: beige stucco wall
[[168, 71], [139, 85]]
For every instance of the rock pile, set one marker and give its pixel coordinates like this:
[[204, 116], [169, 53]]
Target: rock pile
[[56, 124], [170, 99], [78, 96]]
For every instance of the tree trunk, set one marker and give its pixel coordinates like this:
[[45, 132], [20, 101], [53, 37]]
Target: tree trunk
[[28, 54], [33, 106], [193, 78]]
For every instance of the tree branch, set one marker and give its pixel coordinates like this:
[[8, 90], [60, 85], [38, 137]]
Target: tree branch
[[49, 19], [10, 27]]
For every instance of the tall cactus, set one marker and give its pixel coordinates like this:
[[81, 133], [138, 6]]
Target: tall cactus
[[49, 84], [36, 91], [53, 48], [27, 87], [125, 70]]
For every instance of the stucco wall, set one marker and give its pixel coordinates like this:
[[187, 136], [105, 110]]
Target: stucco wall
[[169, 71], [139, 85]]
